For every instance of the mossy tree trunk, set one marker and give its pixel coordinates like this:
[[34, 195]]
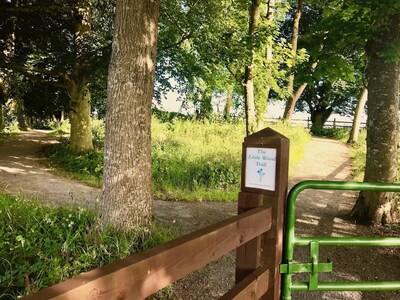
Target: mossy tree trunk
[[383, 79], [318, 118], [77, 82], [248, 83], [3, 100], [206, 108], [21, 115], [126, 200], [81, 139], [228, 104], [269, 43], [2, 119], [355, 129], [293, 98]]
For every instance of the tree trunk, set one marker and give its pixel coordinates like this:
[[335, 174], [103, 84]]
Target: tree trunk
[[355, 129], [3, 101], [80, 103], [21, 115], [318, 118], [81, 139], [228, 104], [270, 41], [383, 79], [126, 200], [206, 108], [248, 84], [291, 103], [2, 120]]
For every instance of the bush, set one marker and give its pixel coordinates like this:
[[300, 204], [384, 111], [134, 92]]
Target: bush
[[358, 151], [12, 127], [86, 166], [98, 131], [41, 246], [333, 133]]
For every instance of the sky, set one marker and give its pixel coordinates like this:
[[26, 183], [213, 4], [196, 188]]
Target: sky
[[274, 110]]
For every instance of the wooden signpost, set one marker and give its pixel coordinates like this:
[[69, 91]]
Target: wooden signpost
[[265, 158]]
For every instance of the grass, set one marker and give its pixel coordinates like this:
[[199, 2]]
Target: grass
[[41, 246], [3, 136], [340, 134], [191, 160], [358, 151], [86, 167]]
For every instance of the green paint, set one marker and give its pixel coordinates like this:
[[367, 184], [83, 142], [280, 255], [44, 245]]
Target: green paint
[[314, 267]]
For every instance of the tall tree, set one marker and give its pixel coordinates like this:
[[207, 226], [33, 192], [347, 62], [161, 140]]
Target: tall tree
[[323, 97], [126, 200], [248, 82], [59, 49], [383, 77], [355, 128], [291, 102]]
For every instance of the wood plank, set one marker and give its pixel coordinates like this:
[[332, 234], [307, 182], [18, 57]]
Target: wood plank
[[248, 256], [253, 286], [141, 275], [267, 249]]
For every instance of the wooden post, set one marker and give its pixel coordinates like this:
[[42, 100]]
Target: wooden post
[[265, 158]]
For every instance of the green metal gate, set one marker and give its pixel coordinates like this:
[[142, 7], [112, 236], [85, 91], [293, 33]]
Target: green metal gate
[[313, 267]]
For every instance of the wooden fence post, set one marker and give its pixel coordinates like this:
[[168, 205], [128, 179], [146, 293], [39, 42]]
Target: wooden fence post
[[265, 158]]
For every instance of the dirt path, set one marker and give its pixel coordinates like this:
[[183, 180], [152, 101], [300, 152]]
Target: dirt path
[[21, 171], [319, 213]]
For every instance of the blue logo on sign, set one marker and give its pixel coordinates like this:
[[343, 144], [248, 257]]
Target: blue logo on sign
[[261, 173]]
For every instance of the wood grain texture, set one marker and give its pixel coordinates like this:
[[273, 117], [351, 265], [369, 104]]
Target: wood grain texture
[[141, 275], [253, 286]]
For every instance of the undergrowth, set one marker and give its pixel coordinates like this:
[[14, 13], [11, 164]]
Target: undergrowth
[[358, 151], [340, 134], [191, 160], [41, 246]]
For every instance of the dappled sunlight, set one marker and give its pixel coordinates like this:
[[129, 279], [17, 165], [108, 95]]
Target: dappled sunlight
[[21, 171], [307, 219], [18, 171], [343, 228]]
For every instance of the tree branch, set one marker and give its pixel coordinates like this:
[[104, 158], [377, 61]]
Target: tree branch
[[177, 43], [28, 69], [48, 82], [38, 8], [232, 73]]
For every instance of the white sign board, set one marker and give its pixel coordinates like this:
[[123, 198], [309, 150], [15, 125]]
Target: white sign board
[[260, 168]]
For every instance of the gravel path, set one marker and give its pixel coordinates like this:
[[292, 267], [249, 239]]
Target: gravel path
[[319, 213]]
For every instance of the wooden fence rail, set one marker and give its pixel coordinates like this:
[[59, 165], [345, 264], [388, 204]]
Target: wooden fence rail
[[143, 274], [328, 124]]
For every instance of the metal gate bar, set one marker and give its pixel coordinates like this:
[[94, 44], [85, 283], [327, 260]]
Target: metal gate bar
[[314, 267]]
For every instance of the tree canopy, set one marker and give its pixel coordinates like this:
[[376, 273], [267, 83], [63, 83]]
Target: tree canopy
[[321, 54]]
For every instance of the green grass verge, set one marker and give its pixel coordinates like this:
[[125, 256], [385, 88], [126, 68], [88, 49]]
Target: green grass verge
[[340, 134], [41, 246], [358, 151], [191, 160], [4, 135], [86, 167]]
